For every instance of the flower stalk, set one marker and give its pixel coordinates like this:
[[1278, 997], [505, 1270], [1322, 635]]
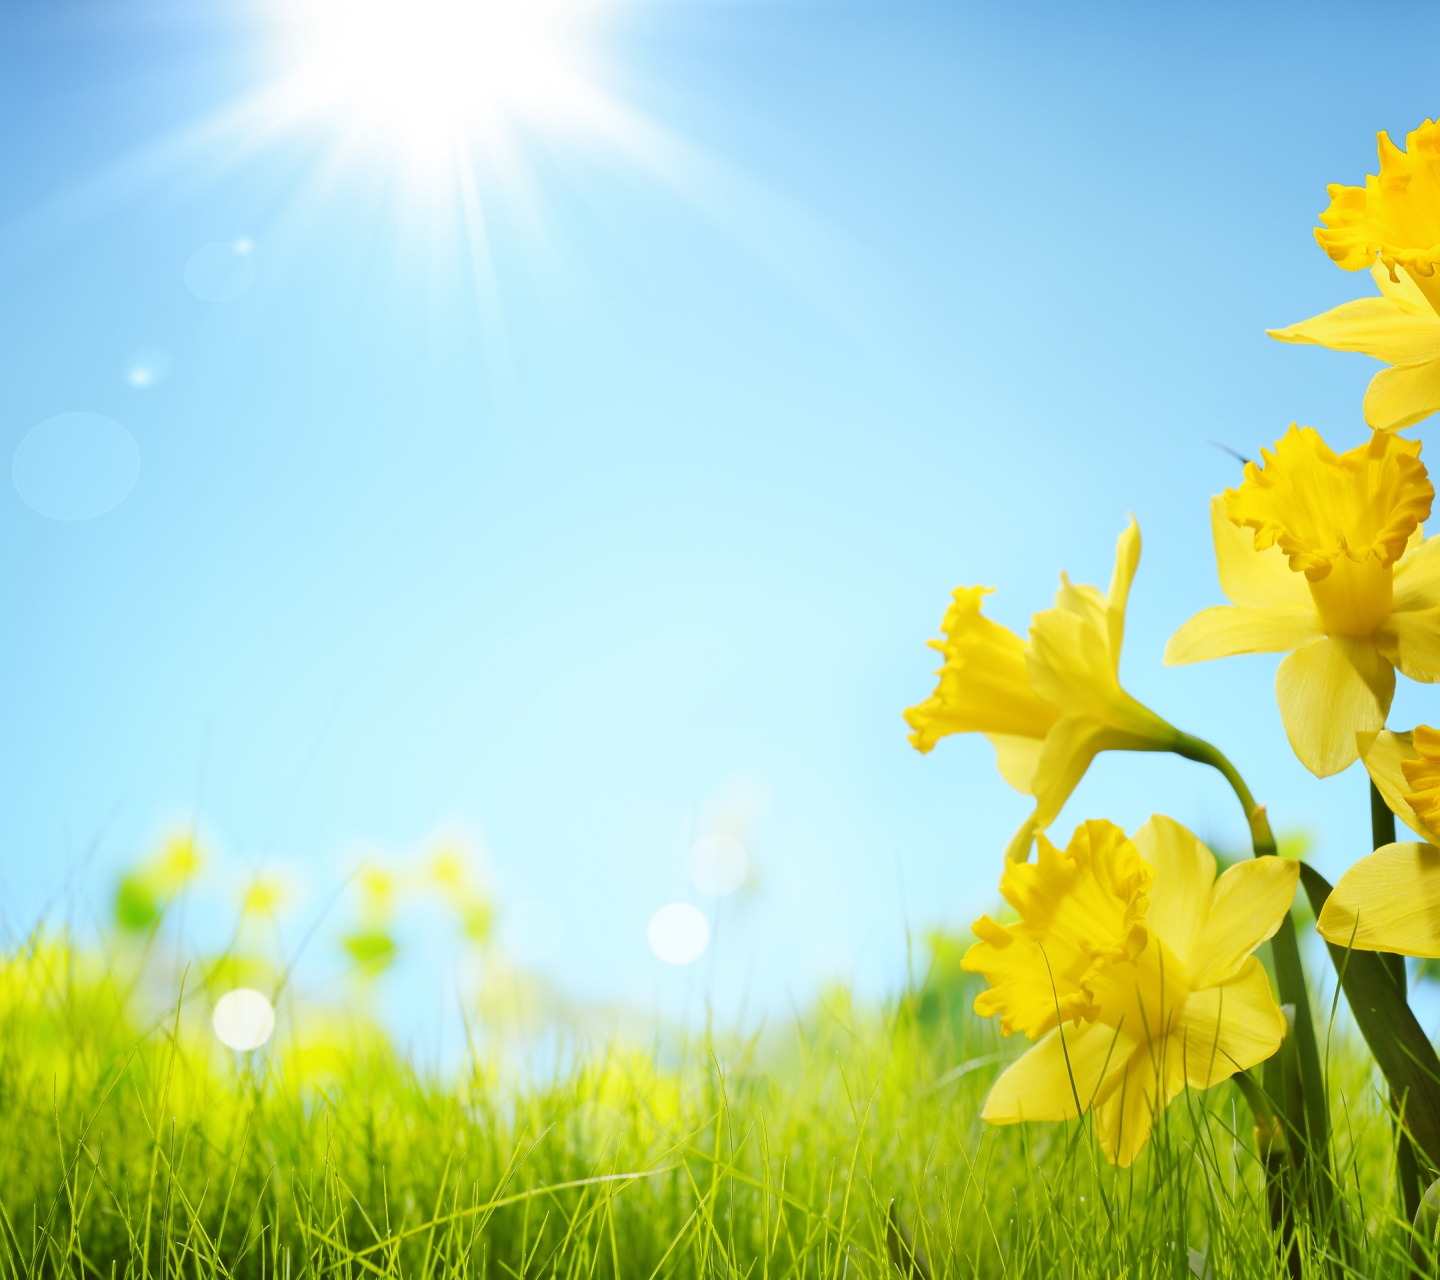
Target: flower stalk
[[1407, 1160]]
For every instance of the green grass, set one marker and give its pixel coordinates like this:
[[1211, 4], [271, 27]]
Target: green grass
[[133, 1148]]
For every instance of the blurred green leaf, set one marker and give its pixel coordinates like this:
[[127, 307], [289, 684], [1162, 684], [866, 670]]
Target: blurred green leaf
[[372, 948], [137, 907]]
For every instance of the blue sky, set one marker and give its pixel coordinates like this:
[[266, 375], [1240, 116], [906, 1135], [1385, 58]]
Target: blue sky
[[637, 523]]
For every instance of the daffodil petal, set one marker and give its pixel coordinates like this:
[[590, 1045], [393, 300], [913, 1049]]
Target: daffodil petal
[[1423, 776], [1227, 1028], [1018, 850], [1329, 690], [1069, 659], [1074, 653], [1068, 1063], [1247, 904], [1401, 290], [1184, 879], [1417, 576], [1226, 630], [1016, 758], [1069, 749], [1123, 1121], [1374, 327], [1411, 642], [1383, 754], [1260, 579], [1127, 560], [1403, 395], [1389, 901]]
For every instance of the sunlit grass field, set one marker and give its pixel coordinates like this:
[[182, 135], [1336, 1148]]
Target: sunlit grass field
[[133, 1144]]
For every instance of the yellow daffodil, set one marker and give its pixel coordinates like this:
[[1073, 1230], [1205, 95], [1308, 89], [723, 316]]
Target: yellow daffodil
[[1322, 556], [1390, 900], [1399, 327], [1050, 704], [1392, 226], [1395, 216], [1132, 966]]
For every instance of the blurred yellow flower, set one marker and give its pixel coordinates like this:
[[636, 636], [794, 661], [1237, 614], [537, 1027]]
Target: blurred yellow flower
[[1322, 556], [1390, 900], [1049, 705], [142, 894], [1399, 327], [448, 870], [377, 890], [178, 861], [1132, 966], [264, 896]]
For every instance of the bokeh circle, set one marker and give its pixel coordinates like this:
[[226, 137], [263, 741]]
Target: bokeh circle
[[76, 466]]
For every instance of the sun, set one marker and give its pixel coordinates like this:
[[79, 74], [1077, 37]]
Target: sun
[[426, 73]]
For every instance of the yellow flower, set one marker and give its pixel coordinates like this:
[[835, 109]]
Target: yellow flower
[[264, 897], [1399, 327], [1390, 900], [984, 688], [1049, 705], [1392, 226], [1395, 216], [178, 861], [1132, 966], [1322, 556]]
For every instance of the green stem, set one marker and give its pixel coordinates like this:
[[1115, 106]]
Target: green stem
[[1308, 1113], [1407, 1161], [1382, 821]]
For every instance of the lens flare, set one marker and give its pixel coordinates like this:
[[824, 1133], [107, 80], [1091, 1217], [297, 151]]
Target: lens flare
[[243, 1020], [679, 933], [719, 864]]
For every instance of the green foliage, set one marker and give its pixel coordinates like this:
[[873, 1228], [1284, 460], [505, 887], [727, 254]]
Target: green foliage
[[372, 949], [133, 1146], [137, 908]]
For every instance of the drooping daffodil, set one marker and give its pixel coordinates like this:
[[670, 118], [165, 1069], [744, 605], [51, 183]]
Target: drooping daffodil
[[1133, 968], [1391, 225], [1323, 558], [1390, 900], [1049, 704]]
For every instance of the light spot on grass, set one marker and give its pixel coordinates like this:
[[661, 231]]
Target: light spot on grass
[[679, 933], [243, 1019], [718, 864]]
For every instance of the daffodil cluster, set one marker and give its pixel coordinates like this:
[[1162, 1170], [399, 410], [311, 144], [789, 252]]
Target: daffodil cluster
[[1128, 962]]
